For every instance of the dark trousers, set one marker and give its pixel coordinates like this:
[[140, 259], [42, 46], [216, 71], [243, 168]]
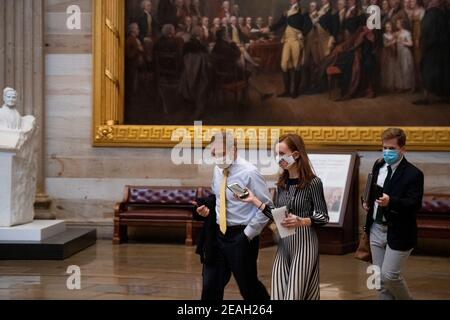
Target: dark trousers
[[235, 255]]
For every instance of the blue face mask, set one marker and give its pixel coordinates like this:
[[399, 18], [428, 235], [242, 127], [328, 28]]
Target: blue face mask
[[391, 156]]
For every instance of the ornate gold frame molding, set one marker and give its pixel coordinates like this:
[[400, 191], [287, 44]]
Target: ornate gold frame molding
[[108, 117]]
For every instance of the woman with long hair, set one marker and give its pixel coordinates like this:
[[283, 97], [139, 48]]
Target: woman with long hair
[[295, 273], [389, 58], [404, 80]]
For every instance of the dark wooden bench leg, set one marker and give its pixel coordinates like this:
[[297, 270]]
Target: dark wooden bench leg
[[116, 235], [120, 233], [124, 233], [189, 226]]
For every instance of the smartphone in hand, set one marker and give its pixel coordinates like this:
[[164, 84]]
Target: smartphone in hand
[[241, 192], [200, 202]]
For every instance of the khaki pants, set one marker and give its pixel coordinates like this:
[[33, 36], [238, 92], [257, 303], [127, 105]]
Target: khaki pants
[[391, 263], [292, 55]]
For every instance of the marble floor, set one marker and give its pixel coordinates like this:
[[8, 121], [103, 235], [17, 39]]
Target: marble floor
[[156, 271]]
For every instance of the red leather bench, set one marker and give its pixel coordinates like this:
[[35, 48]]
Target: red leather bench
[[156, 206], [433, 220], [163, 207]]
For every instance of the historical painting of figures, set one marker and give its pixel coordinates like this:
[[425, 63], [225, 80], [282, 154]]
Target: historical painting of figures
[[287, 63]]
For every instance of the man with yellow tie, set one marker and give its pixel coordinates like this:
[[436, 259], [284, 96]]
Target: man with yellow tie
[[238, 224]]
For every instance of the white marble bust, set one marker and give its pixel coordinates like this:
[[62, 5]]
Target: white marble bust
[[17, 163], [10, 118], [15, 130]]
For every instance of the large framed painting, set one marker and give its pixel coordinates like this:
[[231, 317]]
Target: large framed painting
[[265, 66]]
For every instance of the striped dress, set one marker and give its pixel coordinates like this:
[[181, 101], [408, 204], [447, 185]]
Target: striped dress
[[295, 273]]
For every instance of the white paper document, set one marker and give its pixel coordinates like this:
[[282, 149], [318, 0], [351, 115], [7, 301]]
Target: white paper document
[[278, 215]]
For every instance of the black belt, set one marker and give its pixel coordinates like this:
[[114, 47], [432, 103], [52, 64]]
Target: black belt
[[232, 230]]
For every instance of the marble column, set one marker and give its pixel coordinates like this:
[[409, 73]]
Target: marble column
[[22, 67]]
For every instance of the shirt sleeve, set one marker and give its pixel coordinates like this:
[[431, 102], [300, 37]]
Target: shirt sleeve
[[259, 187], [320, 215], [279, 24], [268, 211], [270, 206]]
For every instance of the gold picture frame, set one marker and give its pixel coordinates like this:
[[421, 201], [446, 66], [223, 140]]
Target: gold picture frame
[[108, 106]]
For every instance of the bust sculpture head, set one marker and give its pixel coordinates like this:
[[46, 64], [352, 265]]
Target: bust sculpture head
[[10, 118], [9, 97], [15, 130]]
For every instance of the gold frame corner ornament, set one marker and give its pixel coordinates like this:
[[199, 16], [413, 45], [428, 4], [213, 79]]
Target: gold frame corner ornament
[[108, 105]]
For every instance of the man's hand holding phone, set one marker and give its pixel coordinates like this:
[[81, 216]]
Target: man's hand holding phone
[[202, 209], [239, 191], [251, 198], [383, 201]]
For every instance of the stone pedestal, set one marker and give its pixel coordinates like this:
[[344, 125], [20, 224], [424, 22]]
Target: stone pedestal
[[37, 230], [17, 176]]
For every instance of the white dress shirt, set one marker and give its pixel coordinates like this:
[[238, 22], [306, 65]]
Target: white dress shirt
[[382, 174], [240, 213]]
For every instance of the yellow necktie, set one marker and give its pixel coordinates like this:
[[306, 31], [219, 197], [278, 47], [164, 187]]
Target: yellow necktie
[[223, 202]]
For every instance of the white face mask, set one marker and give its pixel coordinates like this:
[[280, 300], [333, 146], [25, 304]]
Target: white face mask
[[289, 159]]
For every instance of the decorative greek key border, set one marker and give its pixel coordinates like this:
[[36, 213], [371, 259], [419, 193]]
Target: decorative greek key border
[[361, 138]]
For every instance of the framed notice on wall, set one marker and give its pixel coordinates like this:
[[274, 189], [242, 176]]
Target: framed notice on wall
[[339, 172], [335, 172]]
